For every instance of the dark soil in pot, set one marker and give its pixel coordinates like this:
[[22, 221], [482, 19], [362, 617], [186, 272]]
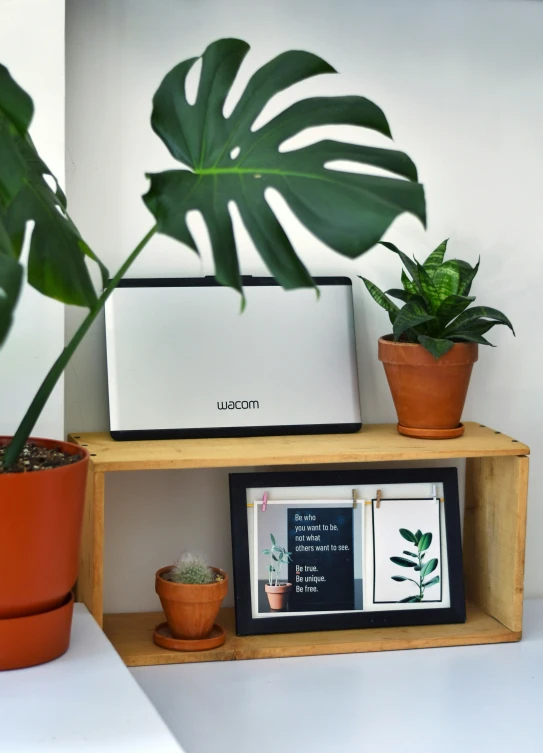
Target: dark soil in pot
[[38, 458]]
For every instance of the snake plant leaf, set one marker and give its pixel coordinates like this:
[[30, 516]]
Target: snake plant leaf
[[411, 315], [472, 337], [452, 307], [381, 298], [400, 294], [408, 263], [402, 562], [409, 286], [11, 279], [435, 259], [56, 262], [428, 568], [447, 279], [425, 542], [467, 273], [430, 293], [407, 535], [431, 582], [228, 162], [474, 315], [435, 345]]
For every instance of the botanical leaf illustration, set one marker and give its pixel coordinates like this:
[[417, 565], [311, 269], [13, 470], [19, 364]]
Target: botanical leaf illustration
[[227, 162], [422, 542]]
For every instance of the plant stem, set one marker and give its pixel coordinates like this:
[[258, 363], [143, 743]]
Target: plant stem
[[36, 406]]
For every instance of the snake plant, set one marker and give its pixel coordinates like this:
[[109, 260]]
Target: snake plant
[[223, 161], [436, 297]]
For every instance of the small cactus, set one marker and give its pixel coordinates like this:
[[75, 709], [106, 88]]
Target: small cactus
[[191, 570]]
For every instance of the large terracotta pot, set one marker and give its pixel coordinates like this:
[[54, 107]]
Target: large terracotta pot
[[429, 394], [191, 610], [41, 514]]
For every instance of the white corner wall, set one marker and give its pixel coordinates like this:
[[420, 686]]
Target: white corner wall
[[461, 82], [32, 47]]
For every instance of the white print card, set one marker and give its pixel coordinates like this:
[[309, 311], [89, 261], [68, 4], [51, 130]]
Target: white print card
[[408, 566]]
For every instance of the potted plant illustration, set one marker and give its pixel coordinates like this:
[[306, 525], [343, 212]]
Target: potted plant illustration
[[223, 161], [278, 593], [421, 542], [429, 356], [191, 593]]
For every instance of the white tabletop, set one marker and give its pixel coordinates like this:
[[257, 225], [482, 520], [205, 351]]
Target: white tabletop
[[85, 701], [443, 700]]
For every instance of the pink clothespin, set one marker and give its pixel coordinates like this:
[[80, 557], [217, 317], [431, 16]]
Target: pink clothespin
[[264, 501]]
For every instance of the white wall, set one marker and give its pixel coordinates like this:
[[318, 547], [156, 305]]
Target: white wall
[[32, 47], [462, 85]]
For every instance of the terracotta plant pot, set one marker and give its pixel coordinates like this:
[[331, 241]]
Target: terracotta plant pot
[[41, 514], [429, 394], [278, 596], [191, 610]]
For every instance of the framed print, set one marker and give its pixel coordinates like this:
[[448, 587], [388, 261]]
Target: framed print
[[324, 550]]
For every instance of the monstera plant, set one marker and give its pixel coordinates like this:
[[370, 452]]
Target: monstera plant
[[223, 161]]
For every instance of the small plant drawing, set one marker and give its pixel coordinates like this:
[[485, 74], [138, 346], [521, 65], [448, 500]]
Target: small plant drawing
[[422, 542], [278, 557]]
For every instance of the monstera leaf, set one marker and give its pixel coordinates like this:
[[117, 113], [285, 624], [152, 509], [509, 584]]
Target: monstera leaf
[[56, 262], [228, 162]]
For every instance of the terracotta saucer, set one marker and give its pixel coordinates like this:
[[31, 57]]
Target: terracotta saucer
[[431, 433], [163, 637]]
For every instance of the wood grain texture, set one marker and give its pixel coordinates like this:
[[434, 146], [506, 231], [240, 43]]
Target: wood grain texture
[[495, 536], [375, 442], [91, 561], [132, 636]]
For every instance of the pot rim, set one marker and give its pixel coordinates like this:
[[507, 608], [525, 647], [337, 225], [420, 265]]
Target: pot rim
[[83, 453], [217, 570], [280, 585], [390, 341]]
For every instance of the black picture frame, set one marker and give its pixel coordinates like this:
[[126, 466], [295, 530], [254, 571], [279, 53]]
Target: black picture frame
[[246, 624]]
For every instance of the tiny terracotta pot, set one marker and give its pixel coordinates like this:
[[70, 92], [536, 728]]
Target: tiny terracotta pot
[[191, 610], [278, 596], [428, 394], [41, 514]]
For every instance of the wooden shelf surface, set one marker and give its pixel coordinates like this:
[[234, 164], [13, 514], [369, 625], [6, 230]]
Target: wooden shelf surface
[[132, 636], [374, 443]]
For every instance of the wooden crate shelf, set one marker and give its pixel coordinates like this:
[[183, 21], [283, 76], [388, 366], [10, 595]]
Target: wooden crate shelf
[[132, 636], [493, 538]]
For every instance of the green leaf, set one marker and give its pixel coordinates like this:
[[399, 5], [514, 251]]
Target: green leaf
[[428, 568], [472, 337], [408, 263], [451, 307], [411, 315], [15, 103], [409, 600], [418, 535], [409, 553], [467, 273], [266, 551], [274, 558], [380, 297], [56, 263], [12, 166], [402, 562], [473, 316], [431, 582], [408, 535], [425, 542], [409, 286], [272, 537], [11, 279], [417, 568], [434, 345], [400, 294], [430, 292], [435, 260], [228, 162], [399, 578], [447, 279]]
